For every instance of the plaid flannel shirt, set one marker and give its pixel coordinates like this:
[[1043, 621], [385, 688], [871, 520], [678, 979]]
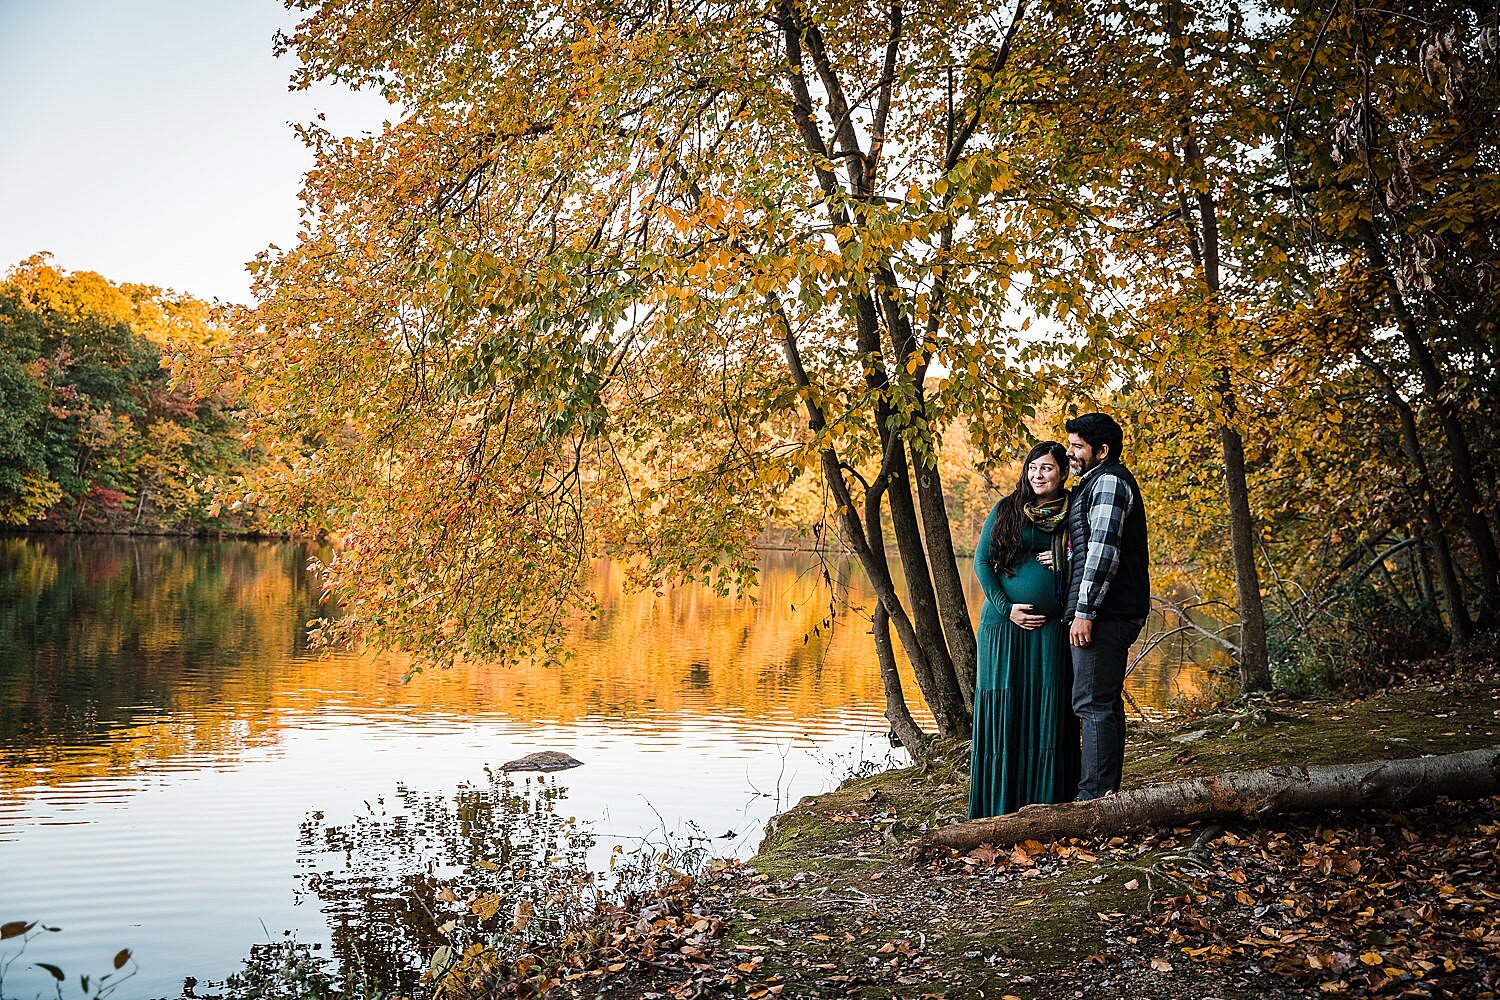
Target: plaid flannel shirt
[[1109, 505]]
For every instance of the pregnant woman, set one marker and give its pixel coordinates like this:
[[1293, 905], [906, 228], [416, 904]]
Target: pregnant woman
[[1025, 734]]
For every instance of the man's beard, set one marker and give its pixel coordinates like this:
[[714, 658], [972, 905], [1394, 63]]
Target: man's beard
[[1080, 468]]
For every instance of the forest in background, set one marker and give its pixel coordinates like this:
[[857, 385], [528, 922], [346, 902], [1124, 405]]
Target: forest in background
[[94, 436]]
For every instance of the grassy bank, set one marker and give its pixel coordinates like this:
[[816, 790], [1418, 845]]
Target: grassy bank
[[838, 903]]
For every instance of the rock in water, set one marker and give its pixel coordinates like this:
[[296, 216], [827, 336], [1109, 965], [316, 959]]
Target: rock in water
[[542, 760]]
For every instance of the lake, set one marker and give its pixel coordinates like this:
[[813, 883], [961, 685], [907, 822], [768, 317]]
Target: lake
[[172, 756]]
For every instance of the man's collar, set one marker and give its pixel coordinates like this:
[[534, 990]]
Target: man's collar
[[1091, 473]]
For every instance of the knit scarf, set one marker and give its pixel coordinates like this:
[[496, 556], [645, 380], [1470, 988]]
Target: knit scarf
[[1048, 515], [1051, 516]]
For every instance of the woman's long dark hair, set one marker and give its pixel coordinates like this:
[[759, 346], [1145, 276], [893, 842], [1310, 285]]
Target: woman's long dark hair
[[1005, 538]]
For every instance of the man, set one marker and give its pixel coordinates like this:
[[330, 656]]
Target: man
[[1109, 593]]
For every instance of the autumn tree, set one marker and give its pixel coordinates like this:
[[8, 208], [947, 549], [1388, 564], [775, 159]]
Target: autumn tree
[[1390, 153], [1145, 130], [92, 433], [627, 280], [1219, 191], [725, 244]]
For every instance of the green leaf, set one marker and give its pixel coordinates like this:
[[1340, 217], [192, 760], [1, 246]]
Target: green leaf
[[56, 972]]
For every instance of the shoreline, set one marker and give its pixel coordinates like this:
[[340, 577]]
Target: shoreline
[[43, 531]]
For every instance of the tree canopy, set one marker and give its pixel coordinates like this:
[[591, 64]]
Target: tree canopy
[[622, 275]]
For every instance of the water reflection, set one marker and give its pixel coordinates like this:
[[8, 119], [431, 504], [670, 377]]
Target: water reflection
[[100, 632], [121, 652], [496, 864], [125, 653]]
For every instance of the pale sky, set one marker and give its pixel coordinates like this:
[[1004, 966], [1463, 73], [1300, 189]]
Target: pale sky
[[148, 140]]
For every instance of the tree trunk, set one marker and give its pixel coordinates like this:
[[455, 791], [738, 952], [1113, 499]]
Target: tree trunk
[[934, 587], [873, 560], [951, 720], [953, 603], [940, 685], [1255, 669], [1421, 568], [1240, 794], [1460, 453], [1459, 626], [1254, 660], [948, 586], [923, 640], [903, 726], [950, 705]]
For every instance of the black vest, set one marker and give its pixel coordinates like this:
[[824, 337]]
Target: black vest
[[1129, 593]]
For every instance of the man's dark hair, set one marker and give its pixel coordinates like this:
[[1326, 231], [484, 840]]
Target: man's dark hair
[[1099, 429]]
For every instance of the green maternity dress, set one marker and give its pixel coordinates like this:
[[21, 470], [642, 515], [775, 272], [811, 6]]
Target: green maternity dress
[[1025, 734]]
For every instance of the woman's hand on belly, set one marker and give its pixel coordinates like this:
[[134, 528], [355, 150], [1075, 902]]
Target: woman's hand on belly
[[1024, 616]]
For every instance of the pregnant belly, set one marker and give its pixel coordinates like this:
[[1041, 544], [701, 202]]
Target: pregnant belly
[[1032, 583]]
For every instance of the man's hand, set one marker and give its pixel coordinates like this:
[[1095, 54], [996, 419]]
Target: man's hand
[[1023, 616], [1082, 632]]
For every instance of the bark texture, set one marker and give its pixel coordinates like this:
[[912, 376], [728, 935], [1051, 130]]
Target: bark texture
[[903, 726], [1247, 794], [1255, 658]]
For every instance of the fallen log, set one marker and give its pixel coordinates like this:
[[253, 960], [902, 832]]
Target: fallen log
[[1250, 794]]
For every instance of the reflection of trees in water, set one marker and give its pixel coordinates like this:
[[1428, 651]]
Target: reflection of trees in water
[[115, 651], [94, 629], [497, 865], [1179, 669], [781, 637]]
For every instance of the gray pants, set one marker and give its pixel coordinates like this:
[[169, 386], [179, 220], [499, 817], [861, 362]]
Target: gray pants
[[1099, 703]]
